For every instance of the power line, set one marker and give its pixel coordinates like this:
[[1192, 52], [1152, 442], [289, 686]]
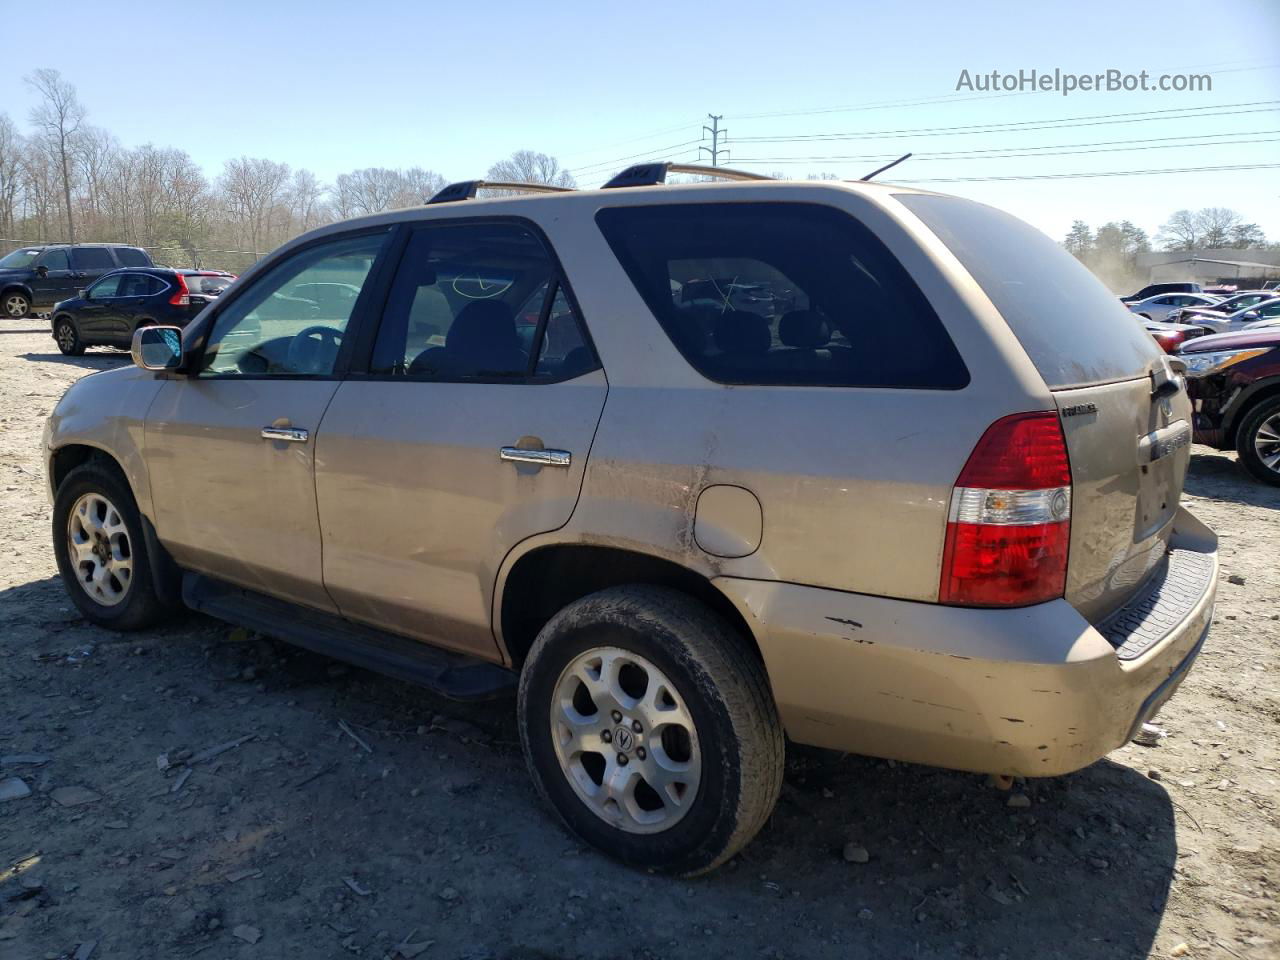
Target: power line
[[1101, 173], [648, 153], [637, 139], [1101, 119], [1158, 143]]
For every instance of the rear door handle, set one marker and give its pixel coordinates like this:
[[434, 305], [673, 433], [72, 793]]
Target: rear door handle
[[542, 458], [288, 434]]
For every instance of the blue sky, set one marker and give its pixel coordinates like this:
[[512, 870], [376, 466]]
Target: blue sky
[[332, 87]]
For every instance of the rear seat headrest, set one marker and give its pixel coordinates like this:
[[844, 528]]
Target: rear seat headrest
[[740, 332], [805, 329]]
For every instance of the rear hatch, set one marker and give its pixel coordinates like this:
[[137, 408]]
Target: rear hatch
[[1125, 415]]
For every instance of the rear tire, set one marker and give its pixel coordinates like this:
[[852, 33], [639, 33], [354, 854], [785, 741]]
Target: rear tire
[[15, 305], [67, 336], [1258, 441], [112, 585], [696, 718]]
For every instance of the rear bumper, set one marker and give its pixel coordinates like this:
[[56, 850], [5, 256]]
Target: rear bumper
[[1036, 691]]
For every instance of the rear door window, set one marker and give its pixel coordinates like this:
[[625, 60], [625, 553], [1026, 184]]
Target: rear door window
[[1073, 329], [782, 293], [479, 301]]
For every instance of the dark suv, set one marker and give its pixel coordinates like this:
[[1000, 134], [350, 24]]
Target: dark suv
[[1234, 382], [1155, 289], [107, 313], [32, 278]]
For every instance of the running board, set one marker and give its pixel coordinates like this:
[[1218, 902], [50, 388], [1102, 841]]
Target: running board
[[451, 675]]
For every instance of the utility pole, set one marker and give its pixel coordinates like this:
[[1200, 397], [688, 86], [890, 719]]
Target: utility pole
[[717, 132]]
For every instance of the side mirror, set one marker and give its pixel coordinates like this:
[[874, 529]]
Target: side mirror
[[42, 271], [81, 293], [1251, 315], [157, 348]]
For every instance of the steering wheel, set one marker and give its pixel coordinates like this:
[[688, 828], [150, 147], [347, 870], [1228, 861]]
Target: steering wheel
[[313, 350]]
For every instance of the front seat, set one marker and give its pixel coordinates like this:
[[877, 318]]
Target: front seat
[[482, 341]]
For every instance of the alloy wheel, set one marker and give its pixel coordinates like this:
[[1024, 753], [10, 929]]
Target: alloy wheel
[[1266, 441], [66, 336], [99, 549], [625, 740], [16, 306]]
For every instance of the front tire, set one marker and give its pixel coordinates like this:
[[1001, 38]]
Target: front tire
[[651, 729], [1258, 441], [102, 552], [16, 305], [67, 336]]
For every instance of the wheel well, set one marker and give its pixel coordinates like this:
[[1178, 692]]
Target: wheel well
[[66, 459], [1261, 395], [545, 580], [15, 288]]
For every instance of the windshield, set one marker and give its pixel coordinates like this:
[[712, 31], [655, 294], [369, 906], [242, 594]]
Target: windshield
[[19, 259]]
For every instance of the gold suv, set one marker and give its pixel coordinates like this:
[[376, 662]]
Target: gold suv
[[691, 468]]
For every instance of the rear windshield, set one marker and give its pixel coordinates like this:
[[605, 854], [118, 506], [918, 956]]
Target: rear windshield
[[782, 293], [132, 257], [1074, 330], [207, 285]]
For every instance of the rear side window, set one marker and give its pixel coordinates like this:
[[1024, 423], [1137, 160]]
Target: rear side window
[[132, 257], [1074, 330], [782, 293], [91, 258]]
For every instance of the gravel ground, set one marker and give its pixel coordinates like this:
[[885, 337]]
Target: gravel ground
[[424, 837]]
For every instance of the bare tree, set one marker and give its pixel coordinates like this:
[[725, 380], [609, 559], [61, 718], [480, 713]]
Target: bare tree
[[58, 118], [1180, 232], [12, 149], [375, 189], [95, 151], [252, 188], [1216, 224], [528, 166], [306, 200]]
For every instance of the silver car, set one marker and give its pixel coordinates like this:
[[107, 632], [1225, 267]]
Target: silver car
[[690, 469], [1159, 307]]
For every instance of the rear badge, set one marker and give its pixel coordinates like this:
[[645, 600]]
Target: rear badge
[[1077, 409]]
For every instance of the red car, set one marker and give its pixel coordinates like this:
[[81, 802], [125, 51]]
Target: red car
[[1234, 383]]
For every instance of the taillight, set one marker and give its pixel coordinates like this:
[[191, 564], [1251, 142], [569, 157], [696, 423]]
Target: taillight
[[182, 296], [1009, 524], [1169, 340]]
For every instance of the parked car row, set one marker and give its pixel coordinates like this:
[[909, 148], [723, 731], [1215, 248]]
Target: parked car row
[[1234, 383]]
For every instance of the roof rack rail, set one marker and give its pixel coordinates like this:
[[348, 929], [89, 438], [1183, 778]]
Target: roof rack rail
[[466, 189], [649, 174]]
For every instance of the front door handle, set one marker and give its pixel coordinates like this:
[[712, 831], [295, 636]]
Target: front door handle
[[289, 434], [542, 458]]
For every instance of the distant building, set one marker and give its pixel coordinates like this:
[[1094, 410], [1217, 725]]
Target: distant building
[[1239, 268]]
